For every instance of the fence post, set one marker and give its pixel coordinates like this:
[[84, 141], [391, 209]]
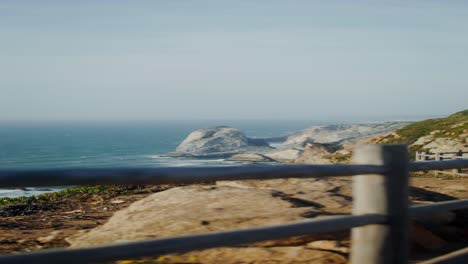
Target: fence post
[[423, 156], [381, 194], [454, 156]]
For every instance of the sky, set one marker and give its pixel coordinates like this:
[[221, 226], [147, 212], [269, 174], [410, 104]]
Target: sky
[[182, 60]]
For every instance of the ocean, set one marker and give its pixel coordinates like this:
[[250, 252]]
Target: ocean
[[37, 145]]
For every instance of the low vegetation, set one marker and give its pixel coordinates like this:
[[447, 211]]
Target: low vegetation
[[450, 127], [102, 190]]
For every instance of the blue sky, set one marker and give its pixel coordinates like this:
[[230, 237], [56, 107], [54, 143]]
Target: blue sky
[[139, 60]]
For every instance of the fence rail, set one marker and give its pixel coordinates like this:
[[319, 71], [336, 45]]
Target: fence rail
[[422, 155], [379, 221], [182, 175]]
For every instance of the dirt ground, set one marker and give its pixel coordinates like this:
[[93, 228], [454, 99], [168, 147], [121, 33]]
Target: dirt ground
[[35, 226]]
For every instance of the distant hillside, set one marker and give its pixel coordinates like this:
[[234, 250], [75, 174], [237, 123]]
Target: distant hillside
[[433, 135]]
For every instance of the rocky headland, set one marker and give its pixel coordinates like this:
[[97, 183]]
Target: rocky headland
[[215, 142], [327, 143], [320, 141]]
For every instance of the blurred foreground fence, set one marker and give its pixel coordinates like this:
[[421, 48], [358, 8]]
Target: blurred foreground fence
[[379, 222]]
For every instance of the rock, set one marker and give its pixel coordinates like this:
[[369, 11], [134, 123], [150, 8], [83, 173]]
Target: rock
[[241, 204], [457, 187], [336, 133], [218, 141], [118, 201], [225, 142], [439, 145], [186, 210], [253, 157], [329, 245], [51, 237], [328, 195], [258, 255], [424, 140], [284, 155], [78, 211], [314, 153]]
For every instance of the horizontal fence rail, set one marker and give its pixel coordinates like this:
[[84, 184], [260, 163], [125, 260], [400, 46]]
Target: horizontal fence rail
[[427, 209], [190, 175], [438, 165], [194, 242], [175, 175], [379, 221], [456, 257]]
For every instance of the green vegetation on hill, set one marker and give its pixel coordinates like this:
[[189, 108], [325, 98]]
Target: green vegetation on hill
[[449, 127]]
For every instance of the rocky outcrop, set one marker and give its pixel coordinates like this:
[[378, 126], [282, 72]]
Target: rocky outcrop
[[259, 255], [284, 155], [315, 154], [439, 145], [242, 204], [192, 210], [226, 206], [336, 133], [329, 196], [325, 144], [227, 142], [218, 141]]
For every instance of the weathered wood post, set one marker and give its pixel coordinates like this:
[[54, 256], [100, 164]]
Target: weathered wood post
[[423, 156], [437, 157], [454, 156], [417, 157], [381, 194]]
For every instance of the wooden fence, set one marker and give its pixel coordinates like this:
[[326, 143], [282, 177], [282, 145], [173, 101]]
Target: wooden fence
[[423, 156], [379, 221]]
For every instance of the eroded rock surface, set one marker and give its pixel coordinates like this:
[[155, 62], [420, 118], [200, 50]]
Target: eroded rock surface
[[191, 210], [232, 205], [261, 255], [330, 196], [226, 142], [315, 154], [337, 133], [218, 141], [284, 155]]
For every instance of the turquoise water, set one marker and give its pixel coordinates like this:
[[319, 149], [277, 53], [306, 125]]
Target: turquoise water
[[130, 144], [136, 144]]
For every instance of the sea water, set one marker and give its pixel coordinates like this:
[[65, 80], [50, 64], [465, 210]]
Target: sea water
[[40, 145]]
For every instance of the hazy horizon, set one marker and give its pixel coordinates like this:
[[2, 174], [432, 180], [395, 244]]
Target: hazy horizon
[[335, 120], [243, 60]]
